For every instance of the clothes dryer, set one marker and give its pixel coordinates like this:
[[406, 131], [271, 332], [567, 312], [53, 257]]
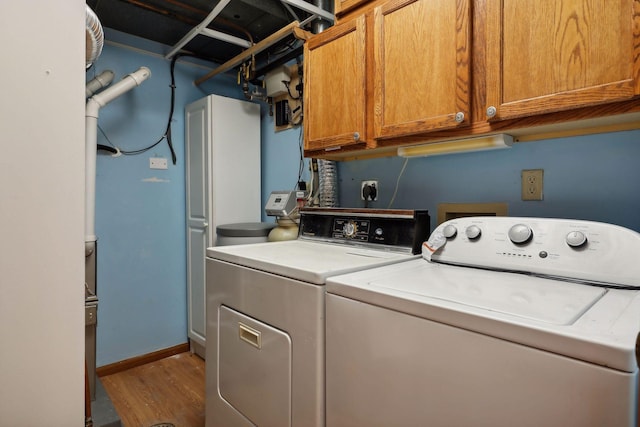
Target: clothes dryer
[[266, 312]]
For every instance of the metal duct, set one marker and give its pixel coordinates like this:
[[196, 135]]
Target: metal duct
[[328, 183], [95, 37]]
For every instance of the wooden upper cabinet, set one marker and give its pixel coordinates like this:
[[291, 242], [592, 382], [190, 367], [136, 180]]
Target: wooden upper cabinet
[[421, 66], [550, 55], [343, 6], [334, 87]]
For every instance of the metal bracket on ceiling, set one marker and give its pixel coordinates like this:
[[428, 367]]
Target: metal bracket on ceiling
[[198, 29], [293, 28]]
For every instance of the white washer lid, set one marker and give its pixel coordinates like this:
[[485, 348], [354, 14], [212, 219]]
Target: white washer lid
[[544, 300], [602, 329]]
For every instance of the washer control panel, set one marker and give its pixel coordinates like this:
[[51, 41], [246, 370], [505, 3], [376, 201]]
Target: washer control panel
[[583, 250]]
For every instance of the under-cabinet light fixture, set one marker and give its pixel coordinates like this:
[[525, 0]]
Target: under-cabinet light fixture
[[491, 142]]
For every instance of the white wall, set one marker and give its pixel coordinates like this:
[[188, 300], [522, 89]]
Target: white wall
[[41, 213]]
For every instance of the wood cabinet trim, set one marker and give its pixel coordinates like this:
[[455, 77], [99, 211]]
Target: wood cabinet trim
[[331, 34], [636, 55]]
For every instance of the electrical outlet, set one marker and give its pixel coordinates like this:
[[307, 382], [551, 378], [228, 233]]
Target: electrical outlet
[[157, 163], [369, 190], [532, 184]]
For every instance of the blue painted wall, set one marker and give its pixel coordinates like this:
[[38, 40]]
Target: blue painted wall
[[594, 177], [140, 215]]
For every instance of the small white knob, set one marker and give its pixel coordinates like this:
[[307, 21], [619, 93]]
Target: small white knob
[[520, 233], [575, 239], [449, 231], [473, 232]]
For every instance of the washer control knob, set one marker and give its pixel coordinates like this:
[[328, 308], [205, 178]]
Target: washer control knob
[[378, 231], [473, 232], [449, 231], [350, 229], [520, 233], [576, 239]]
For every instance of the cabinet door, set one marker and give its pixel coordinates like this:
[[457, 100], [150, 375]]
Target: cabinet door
[[550, 55], [197, 133], [422, 66], [334, 87]]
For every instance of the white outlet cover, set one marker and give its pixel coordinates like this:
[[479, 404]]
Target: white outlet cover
[[158, 163]]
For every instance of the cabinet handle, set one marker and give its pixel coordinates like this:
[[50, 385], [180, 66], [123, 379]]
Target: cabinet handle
[[205, 225], [491, 111], [250, 335], [356, 136], [459, 117]]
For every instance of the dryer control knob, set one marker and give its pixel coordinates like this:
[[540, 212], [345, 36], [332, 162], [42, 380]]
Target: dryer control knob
[[520, 233], [473, 232], [350, 229], [449, 231], [576, 239]]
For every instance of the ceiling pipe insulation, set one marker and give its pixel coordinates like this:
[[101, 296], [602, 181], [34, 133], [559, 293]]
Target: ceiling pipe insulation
[[93, 106]]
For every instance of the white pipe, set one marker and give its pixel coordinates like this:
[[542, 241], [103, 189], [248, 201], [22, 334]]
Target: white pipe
[[127, 83], [103, 79], [91, 140]]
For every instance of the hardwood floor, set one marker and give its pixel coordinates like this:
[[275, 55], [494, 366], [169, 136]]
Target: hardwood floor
[[170, 390]]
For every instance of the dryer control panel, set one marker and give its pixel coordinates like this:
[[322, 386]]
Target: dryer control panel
[[396, 230], [575, 249]]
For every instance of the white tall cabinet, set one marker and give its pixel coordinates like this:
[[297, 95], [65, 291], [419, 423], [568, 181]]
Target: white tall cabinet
[[222, 143]]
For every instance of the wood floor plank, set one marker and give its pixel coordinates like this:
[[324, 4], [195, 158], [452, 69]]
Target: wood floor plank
[[171, 390]]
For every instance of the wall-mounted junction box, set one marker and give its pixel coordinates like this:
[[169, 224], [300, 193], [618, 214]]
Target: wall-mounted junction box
[[274, 79]]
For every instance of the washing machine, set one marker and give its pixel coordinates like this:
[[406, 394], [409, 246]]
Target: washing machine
[[513, 322], [266, 311]]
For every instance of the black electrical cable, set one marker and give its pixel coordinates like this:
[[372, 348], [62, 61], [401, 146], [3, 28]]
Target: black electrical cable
[[107, 148], [301, 164], [167, 132], [287, 84]]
